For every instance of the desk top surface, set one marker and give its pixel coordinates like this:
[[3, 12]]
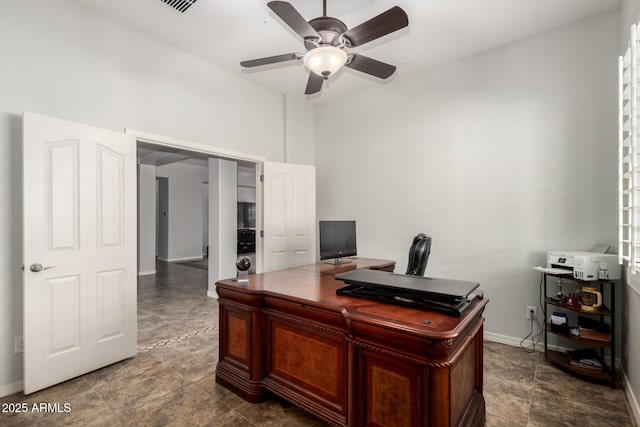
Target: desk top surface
[[315, 285]]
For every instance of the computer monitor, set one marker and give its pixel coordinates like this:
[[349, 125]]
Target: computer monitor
[[337, 240]]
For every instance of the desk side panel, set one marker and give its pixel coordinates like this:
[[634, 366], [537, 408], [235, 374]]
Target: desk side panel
[[235, 328], [456, 385], [240, 360]]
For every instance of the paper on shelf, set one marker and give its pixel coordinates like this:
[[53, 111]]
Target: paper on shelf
[[552, 270]]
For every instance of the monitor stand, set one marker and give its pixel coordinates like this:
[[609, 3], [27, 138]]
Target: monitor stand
[[338, 261]]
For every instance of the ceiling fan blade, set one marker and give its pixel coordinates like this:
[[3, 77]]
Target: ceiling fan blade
[[378, 26], [292, 18], [370, 66], [270, 60], [314, 84]]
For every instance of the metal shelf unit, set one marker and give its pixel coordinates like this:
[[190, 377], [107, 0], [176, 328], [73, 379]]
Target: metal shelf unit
[[604, 314]]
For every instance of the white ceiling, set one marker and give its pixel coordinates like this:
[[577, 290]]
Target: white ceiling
[[227, 32]]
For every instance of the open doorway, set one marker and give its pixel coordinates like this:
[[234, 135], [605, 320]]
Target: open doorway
[[205, 219], [179, 180], [162, 217], [174, 296]]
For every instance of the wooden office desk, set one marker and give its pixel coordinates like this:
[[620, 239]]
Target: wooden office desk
[[349, 361]]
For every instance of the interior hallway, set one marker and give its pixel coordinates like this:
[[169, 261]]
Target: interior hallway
[[171, 381]]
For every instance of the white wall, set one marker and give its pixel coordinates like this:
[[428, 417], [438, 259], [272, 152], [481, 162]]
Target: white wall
[[61, 59], [223, 220], [631, 342], [185, 209], [146, 219], [499, 157], [629, 14], [299, 131]]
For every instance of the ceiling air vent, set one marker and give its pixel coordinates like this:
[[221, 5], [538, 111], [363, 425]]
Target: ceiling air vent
[[180, 5]]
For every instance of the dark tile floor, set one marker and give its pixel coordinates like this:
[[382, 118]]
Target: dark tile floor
[[171, 381]]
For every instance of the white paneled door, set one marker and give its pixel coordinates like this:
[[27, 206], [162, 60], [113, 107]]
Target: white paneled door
[[289, 215], [79, 193]]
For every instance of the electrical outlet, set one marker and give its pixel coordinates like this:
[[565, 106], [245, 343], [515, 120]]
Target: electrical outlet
[[531, 312], [18, 345]]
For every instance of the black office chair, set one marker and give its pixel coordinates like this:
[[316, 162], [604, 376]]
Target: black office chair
[[419, 255]]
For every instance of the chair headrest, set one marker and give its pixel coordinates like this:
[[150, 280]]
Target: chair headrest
[[419, 254]]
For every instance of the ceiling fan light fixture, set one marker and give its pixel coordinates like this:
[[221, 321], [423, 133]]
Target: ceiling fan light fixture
[[325, 60]]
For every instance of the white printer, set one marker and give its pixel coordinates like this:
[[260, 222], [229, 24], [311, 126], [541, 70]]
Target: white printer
[[585, 265]]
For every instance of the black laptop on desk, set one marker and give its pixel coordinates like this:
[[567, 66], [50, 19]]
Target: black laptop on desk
[[442, 295]]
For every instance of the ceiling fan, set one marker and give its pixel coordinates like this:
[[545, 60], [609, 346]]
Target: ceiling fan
[[325, 39]]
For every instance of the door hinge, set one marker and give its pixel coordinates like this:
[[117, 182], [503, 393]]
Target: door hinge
[[262, 233], [261, 178]]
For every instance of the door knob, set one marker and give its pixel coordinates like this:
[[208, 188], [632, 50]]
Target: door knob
[[35, 267]]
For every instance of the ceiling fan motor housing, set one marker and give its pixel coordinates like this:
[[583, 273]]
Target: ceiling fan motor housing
[[330, 30]]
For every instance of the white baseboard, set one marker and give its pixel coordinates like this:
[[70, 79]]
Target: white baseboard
[[212, 294], [146, 273], [634, 405], [515, 342], [9, 389], [502, 339], [191, 258]]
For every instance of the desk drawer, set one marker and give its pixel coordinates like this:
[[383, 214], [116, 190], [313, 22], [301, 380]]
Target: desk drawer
[[332, 319]]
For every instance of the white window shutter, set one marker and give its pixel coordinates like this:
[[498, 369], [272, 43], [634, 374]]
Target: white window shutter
[[629, 169]]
